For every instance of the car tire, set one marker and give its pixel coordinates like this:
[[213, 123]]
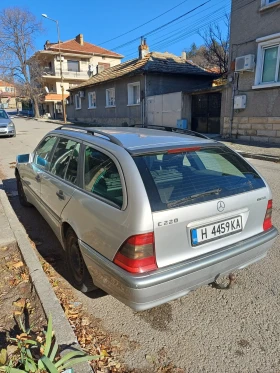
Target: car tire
[[21, 195], [76, 267]]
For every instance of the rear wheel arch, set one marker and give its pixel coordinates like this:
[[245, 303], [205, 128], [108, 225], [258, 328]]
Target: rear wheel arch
[[78, 272], [64, 228]]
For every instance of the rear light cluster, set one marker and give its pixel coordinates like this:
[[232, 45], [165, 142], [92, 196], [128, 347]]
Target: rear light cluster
[[267, 223], [137, 254]]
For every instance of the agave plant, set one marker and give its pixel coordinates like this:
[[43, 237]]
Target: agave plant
[[48, 359]]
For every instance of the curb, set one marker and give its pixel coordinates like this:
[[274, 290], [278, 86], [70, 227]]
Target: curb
[[262, 157], [64, 333]]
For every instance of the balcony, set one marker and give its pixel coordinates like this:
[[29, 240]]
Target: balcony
[[48, 71], [76, 75]]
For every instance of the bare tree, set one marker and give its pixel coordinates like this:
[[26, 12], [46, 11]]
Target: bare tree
[[216, 45], [18, 29]]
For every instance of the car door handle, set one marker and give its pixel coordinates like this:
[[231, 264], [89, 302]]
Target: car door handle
[[60, 194], [38, 178]]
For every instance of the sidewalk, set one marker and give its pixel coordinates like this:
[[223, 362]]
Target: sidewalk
[[256, 150]]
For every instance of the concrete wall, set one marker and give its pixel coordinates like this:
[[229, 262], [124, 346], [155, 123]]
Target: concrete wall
[[158, 84], [260, 120], [121, 114]]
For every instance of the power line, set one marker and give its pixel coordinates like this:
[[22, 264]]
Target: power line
[[143, 24], [173, 32], [218, 15], [162, 26]]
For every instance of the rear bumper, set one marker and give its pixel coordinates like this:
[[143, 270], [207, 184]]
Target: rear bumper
[[148, 290]]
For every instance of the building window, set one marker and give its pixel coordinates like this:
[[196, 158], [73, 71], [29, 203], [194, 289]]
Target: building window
[[266, 3], [92, 100], [110, 97], [133, 93], [73, 66], [78, 102], [268, 63]]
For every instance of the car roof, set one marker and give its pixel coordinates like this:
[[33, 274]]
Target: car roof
[[137, 140]]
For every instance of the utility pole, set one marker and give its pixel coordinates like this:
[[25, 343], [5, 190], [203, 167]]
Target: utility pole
[[60, 65]]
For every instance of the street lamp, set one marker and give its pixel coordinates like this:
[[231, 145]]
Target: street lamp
[[61, 76]]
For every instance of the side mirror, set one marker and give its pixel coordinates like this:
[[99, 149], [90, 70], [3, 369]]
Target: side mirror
[[42, 162], [24, 158]]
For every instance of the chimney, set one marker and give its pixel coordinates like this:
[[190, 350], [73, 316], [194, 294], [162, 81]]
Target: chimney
[[143, 49], [47, 44], [80, 39], [184, 56]]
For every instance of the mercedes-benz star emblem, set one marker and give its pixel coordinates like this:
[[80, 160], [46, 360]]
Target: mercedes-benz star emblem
[[221, 206]]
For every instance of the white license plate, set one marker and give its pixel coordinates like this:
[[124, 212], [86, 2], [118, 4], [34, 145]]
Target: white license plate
[[214, 231], [3, 130]]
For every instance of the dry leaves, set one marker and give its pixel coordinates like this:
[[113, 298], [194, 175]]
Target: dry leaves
[[91, 338]]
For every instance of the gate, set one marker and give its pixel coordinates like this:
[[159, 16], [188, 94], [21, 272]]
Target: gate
[[206, 112]]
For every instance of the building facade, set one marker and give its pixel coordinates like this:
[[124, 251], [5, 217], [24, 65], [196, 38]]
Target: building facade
[[120, 95], [8, 94], [79, 61], [251, 104]]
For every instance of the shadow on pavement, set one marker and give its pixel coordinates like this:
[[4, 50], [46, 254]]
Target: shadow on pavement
[[41, 234]]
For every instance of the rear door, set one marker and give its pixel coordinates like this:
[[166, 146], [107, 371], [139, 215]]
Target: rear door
[[58, 184], [202, 199]]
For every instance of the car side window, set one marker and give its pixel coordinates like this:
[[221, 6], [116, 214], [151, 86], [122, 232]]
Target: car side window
[[43, 152], [61, 157], [72, 169], [101, 176]]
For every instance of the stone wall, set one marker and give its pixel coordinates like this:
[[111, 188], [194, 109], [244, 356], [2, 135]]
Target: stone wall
[[266, 129]]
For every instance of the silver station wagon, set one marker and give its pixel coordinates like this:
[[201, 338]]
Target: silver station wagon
[[146, 214]]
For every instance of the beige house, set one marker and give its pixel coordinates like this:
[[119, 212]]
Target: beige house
[[7, 94], [251, 104], [80, 60]]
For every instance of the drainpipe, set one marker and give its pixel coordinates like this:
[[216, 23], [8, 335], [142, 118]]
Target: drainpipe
[[144, 101], [235, 77]]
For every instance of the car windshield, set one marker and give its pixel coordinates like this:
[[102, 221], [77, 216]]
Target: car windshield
[[178, 178], [3, 114]]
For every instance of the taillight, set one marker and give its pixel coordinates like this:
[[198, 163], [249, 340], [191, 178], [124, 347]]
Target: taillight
[[267, 223], [137, 254], [183, 150]]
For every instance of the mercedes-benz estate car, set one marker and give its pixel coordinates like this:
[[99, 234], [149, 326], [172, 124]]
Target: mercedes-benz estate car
[[145, 214], [7, 126]]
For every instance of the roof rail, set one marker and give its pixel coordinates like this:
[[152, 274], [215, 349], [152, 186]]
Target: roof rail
[[172, 129], [91, 131]]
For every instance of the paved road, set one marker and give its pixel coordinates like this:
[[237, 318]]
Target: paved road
[[209, 330]]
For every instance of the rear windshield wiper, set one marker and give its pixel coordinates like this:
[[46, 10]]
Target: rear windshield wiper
[[194, 196]]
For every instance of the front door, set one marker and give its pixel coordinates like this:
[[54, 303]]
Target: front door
[[33, 175], [206, 112]]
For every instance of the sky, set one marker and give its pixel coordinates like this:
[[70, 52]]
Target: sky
[[102, 21]]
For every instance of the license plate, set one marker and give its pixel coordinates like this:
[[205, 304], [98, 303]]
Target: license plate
[[214, 231], [3, 130]]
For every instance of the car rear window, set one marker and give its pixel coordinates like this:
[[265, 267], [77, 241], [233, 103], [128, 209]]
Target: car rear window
[[179, 178]]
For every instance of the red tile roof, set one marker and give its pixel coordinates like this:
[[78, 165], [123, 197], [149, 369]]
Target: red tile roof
[[5, 84], [74, 46]]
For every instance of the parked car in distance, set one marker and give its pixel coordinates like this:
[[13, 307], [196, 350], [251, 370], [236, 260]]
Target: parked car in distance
[[145, 214], [7, 126]]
